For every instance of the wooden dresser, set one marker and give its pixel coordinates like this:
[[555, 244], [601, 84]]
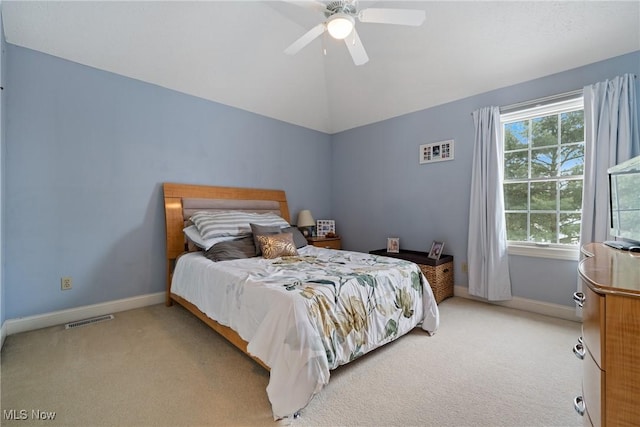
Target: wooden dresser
[[610, 342]]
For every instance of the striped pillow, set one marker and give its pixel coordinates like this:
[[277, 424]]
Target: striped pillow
[[194, 239], [232, 223]]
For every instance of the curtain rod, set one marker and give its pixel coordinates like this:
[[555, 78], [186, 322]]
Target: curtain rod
[[542, 101], [545, 100]]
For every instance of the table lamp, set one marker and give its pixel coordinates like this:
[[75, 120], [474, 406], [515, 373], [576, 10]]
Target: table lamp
[[305, 222]]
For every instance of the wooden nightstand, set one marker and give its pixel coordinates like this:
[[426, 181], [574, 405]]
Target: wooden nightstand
[[325, 242], [439, 272]]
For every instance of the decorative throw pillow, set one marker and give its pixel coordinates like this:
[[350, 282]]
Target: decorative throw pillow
[[298, 238], [263, 230], [233, 249], [277, 245]]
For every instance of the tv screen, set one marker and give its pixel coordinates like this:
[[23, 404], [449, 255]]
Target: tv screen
[[624, 193]]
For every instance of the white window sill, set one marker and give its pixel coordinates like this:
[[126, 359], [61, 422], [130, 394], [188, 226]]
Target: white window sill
[[542, 251]]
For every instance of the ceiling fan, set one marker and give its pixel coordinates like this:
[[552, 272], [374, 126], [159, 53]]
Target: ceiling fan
[[340, 24]]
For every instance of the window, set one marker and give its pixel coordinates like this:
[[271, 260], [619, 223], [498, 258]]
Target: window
[[543, 174]]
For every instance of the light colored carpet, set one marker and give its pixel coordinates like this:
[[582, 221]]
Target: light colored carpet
[[159, 366]]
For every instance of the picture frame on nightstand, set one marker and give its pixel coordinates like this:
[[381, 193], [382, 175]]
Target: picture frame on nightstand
[[436, 250], [393, 245], [325, 226]]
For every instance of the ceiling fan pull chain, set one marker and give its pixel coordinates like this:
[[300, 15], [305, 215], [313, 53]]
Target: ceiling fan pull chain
[[324, 44]]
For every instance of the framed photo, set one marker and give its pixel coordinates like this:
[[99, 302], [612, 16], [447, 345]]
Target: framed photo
[[324, 226], [436, 152], [436, 250], [393, 245]]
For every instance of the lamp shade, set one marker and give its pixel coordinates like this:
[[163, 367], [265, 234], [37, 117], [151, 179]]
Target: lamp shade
[[305, 219], [340, 25]]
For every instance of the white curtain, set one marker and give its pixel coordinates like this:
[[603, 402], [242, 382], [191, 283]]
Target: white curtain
[[611, 137], [487, 244]]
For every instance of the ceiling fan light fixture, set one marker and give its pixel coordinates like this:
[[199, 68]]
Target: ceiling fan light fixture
[[340, 25]]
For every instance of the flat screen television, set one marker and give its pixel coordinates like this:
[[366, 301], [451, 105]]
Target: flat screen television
[[624, 207]]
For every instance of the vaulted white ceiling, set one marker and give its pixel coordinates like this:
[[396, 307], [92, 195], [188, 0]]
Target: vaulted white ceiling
[[231, 52]]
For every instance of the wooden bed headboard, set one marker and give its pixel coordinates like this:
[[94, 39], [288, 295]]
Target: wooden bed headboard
[[174, 219]]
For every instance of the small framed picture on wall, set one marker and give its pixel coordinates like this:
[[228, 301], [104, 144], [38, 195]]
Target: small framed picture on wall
[[393, 245], [436, 152]]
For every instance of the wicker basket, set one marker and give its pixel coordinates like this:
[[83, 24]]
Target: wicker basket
[[440, 278]]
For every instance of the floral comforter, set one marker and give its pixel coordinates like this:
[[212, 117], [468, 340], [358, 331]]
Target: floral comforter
[[306, 315]]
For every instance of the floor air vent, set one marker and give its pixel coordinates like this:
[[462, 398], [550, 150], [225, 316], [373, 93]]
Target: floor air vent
[[89, 321]]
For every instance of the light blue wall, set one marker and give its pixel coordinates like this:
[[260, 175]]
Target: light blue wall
[[87, 151], [86, 154], [2, 111], [380, 189]]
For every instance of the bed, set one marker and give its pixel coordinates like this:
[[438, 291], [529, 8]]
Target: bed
[[299, 315]]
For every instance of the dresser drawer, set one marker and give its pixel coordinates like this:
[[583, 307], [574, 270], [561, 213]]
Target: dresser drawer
[[622, 365], [593, 323], [592, 382], [587, 420]]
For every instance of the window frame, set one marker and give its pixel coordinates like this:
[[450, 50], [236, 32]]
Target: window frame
[[575, 102]]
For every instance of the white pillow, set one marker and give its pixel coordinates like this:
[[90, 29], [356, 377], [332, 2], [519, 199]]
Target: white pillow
[[192, 234], [232, 223]]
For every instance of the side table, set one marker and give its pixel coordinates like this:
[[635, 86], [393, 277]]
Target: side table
[[325, 242]]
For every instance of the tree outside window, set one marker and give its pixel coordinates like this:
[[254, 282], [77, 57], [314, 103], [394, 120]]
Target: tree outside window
[[543, 173]]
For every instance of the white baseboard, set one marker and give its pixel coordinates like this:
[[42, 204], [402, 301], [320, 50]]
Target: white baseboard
[[3, 333], [540, 307], [30, 323]]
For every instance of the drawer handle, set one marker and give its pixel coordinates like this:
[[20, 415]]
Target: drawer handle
[[578, 350], [578, 297], [446, 270], [578, 405]]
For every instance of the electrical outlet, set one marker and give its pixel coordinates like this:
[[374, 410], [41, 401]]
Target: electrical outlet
[[465, 267], [66, 283]]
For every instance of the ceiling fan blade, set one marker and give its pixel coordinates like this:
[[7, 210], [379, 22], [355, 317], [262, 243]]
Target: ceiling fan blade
[[309, 4], [306, 38], [356, 49], [413, 17]]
